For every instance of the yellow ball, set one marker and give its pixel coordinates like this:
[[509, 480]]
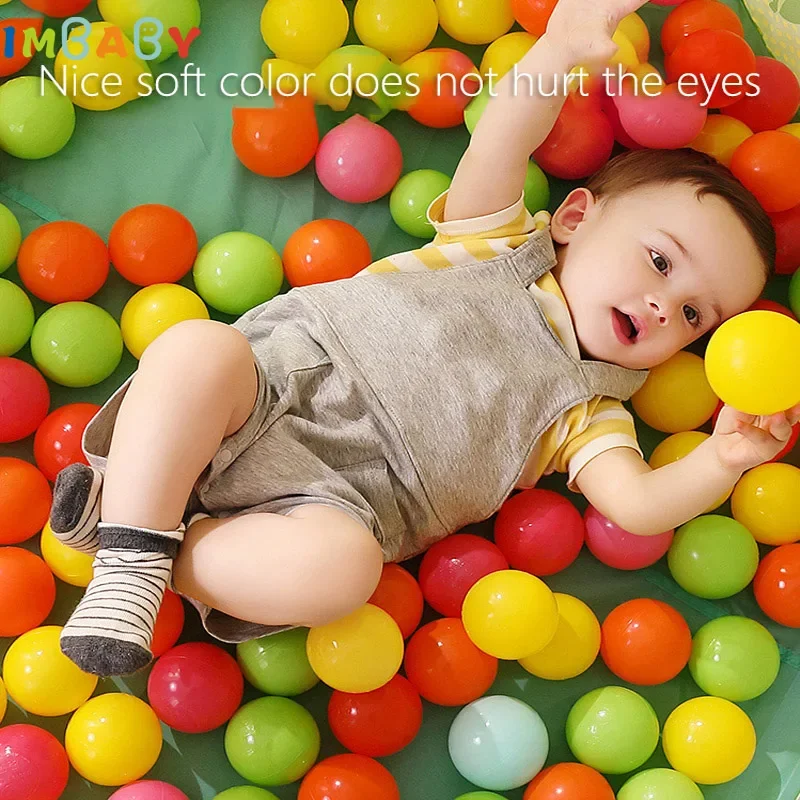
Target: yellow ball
[[475, 21], [3, 700], [766, 501], [720, 137], [626, 52], [358, 653], [676, 395], [113, 739], [793, 128], [500, 56], [398, 30], [510, 614], [41, 679], [709, 739], [67, 564], [304, 31], [635, 29], [751, 362], [575, 646], [153, 310]]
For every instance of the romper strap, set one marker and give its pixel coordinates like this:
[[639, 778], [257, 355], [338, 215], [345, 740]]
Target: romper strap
[[611, 380], [534, 258]]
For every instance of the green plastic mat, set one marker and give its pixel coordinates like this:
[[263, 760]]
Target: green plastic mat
[[177, 151]]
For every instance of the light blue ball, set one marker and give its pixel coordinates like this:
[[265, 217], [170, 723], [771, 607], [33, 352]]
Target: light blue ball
[[498, 743]]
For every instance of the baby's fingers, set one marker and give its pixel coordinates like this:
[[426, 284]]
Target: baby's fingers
[[758, 437], [793, 415], [778, 426]]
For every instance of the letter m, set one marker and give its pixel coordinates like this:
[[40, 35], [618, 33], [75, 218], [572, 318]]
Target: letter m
[[33, 42]]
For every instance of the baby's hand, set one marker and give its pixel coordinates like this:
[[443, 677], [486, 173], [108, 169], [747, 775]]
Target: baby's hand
[[744, 441]]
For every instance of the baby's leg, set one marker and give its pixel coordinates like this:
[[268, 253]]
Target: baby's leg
[[195, 385]]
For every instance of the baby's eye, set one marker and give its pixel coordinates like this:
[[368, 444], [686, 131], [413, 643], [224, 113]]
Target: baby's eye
[[691, 315], [659, 262]]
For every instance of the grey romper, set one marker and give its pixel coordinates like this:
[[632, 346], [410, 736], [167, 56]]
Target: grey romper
[[409, 400]]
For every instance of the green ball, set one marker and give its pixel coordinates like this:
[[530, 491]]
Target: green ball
[[613, 730], [76, 344], [272, 741], [16, 312], [246, 793], [735, 658], [537, 189], [411, 198], [480, 796], [10, 238], [474, 111], [660, 784], [713, 557], [794, 293], [278, 664], [36, 120], [238, 271]]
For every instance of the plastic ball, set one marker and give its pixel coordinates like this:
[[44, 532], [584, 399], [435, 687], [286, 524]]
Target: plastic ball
[[474, 111], [40, 679], [612, 730], [378, 723], [710, 740], [358, 161], [246, 793], [539, 531], [58, 439], [777, 101], [399, 595], [148, 790], [445, 667], [10, 238], [637, 32], [697, 15], [36, 120], [575, 646], [25, 499], [452, 566], [304, 31], [113, 739], [502, 54], [787, 232], [569, 782], [17, 60], [720, 137], [272, 741], [27, 591], [794, 293], [713, 557], [498, 743], [237, 271], [411, 198], [646, 642], [349, 777], [792, 128], [195, 687], [169, 624], [771, 305], [278, 664], [533, 15], [325, 250], [68, 565], [155, 309], [480, 796], [660, 784], [3, 700], [152, 244], [617, 548], [768, 164], [24, 400], [33, 764], [16, 311], [57, 8], [358, 653], [537, 189], [777, 585], [766, 501], [750, 362], [675, 447], [397, 30], [475, 21]]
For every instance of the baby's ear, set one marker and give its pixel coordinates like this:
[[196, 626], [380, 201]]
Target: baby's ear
[[571, 213]]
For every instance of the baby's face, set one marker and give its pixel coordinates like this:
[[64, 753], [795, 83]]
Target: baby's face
[[651, 271]]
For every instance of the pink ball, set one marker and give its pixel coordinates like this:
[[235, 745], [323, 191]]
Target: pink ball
[[24, 399], [539, 531], [617, 548], [148, 790], [195, 687], [453, 566], [359, 161], [33, 764]]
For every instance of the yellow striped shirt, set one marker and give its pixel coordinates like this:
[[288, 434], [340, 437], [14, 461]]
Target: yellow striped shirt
[[584, 431]]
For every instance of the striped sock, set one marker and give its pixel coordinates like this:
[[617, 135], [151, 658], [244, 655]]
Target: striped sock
[[111, 630], [76, 507]]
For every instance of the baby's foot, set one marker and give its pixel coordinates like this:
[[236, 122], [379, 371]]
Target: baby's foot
[[76, 507], [111, 630]]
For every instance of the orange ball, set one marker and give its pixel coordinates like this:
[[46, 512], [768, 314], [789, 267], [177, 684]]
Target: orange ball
[[533, 15], [152, 244], [324, 250], [58, 8], [25, 500], [569, 781], [645, 642], [27, 591], [777, 585], [348, 777], [768, 164], [399, 595], [697, 15], [169, 624], [63, 261], [14, 63]]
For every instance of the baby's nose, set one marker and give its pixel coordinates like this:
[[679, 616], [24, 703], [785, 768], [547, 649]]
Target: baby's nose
[[660, 310]]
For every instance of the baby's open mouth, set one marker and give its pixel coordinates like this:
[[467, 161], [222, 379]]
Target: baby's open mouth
[[624, 327]]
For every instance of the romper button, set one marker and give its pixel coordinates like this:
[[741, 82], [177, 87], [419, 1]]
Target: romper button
[[225, 456]]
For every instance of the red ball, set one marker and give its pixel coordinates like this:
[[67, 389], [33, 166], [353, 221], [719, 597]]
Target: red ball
[[569, 782], [609, 108], [533, 15], [787, 233], [764, 305], [698, 15], [169, 624], [645, 642], [24, 399], [58, 8], [58, 440], [539, 531], [195, 687], [378, 723], [453, 566], [27, 591], [399, 595], [777, 101], [768, 164], [349, 777], [33, 764], [777, 585], [25, 500]]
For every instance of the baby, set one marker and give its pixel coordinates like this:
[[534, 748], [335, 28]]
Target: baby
[[351, 423]]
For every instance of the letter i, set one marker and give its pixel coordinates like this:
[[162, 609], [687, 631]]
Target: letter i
[[8, 52]]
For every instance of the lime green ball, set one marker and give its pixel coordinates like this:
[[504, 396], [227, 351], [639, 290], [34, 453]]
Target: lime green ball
[[660, 784], [411, 198], [480, 796], [794, 293], [76, 344], [10, 238], [272, 741], [237, 271], [278, 664], [537, 189], [36, 120], [16, 312], [474, 111], [246, 793]]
